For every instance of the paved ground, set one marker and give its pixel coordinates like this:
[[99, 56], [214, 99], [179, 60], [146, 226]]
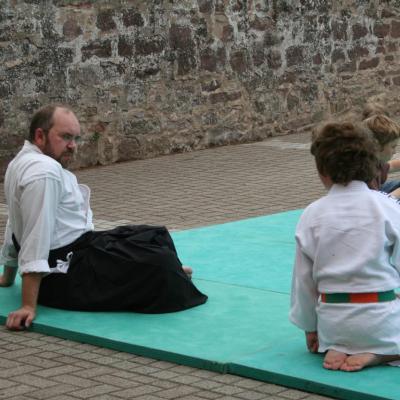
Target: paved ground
[[180, 191]]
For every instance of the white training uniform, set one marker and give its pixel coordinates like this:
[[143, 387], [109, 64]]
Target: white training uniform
[[47, 209], [348, 242]]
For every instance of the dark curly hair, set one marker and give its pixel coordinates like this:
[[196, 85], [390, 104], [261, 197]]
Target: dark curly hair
[[345, 152]]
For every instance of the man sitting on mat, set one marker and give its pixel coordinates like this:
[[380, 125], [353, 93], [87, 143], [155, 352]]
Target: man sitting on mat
[[348, 257], [63, 262]]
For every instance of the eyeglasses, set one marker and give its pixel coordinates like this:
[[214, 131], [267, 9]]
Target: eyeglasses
[[68, 138]]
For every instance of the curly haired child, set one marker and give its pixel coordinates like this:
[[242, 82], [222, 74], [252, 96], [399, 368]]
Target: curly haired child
[[348, 257]]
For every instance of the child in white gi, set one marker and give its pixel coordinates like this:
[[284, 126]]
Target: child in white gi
[[348, 257], [386, 132]]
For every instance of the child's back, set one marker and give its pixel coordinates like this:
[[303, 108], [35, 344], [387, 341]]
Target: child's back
[[348, 257]]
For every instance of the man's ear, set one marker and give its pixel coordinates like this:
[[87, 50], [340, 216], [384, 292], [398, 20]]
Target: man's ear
[[40, 138]]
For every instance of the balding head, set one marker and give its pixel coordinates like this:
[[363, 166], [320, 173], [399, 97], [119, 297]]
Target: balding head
[[44, 120]]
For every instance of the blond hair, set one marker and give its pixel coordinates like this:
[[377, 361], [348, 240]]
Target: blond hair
[[384, 129], [373, 108]]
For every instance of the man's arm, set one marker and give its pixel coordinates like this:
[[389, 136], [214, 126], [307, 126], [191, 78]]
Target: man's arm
[[39, 202], [8, 277], [23, 317]]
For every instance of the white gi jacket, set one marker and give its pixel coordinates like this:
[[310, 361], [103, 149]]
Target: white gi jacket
[[348, 242], [47, 209]]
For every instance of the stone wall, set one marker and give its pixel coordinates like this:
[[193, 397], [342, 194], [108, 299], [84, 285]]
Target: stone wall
[[159, 76]]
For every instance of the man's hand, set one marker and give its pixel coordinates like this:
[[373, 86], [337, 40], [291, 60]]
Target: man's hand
[[20, 319], [312, 341]]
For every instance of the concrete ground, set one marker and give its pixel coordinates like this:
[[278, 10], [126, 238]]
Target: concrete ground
[[181, 191]]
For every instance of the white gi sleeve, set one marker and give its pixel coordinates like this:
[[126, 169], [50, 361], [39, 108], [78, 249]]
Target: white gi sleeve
[[304, 295], [38, 204]]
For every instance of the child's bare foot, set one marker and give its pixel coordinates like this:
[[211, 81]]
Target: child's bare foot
[[334, 359], [357, 362], [188, 271]]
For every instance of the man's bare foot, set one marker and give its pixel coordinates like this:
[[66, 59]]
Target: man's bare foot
[[334, 359], [188, 271], [357, 362]]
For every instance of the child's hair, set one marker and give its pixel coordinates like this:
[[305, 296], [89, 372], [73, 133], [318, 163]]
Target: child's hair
[[384, 129], [345, 152]]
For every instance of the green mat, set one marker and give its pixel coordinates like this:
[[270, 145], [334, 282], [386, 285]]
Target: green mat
[[245, 268]]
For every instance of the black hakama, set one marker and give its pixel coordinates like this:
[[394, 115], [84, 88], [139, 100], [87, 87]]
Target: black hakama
[[129, 268]]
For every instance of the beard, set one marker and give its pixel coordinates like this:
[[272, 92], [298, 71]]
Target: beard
[[65, 158]]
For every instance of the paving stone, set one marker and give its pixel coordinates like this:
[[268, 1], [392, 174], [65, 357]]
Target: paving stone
[[207, 384], [52, 392], [16, 371], [116, 381], [227, 389], [145, 369], [208, 394], [185, 379], [4, 383], [248, 383], [74, 381], [162, 364], [227, 379], [94, 391], [250, 395], [41, 362], [165, 374], [293, 394], [269, 388], [16, 390], [204, 374], [135, 377], [137, 391], [63, 369], [96, 371], [178, 392], [164, 384], [32, 380]]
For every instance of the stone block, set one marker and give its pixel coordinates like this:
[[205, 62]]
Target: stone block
[[180, 37], [381, 30], [227, 33], [260, 24], [274, 59], [238, 61], [211, 86], [208, 60], [338, 55], [130, 17], [96, 48], [369, 64], [356, 52], [294, 55], [146, 46], [396, 80], [105, 21], [223, 97], [71, 29], [395, 29], [205, 6], [125, 46], [339, 29], [359, 31]]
